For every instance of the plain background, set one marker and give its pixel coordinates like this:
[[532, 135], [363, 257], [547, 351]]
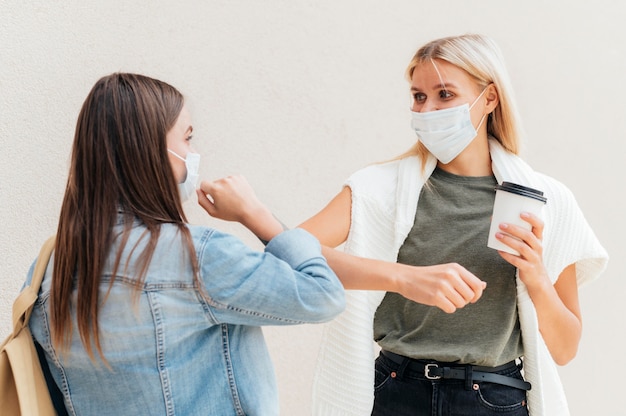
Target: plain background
[[298, 94]]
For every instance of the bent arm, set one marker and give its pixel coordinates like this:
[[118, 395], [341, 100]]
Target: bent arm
[[557, 305], [447, 286], [290, 283], [233, 199]]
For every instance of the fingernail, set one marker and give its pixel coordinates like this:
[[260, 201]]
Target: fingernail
[[525, 215]]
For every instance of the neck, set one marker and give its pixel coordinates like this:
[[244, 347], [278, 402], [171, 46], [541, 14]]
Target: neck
[[474, 160]]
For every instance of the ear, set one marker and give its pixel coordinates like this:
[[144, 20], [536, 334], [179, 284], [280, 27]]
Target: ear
[[491, 97]]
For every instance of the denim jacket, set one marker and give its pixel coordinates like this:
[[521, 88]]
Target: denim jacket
[[172, 351]]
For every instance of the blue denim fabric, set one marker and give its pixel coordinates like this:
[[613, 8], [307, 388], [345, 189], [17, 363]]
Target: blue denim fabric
[[173, 353], [401, 392]]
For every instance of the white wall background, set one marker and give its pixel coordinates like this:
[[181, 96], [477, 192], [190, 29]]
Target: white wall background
[[297, 94]]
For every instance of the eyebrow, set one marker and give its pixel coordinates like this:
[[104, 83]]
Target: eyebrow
[[444, 86]]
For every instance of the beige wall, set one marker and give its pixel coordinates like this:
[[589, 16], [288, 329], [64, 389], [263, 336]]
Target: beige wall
[[297, 94]]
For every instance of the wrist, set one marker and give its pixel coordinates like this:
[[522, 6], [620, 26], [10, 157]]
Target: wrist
[[265, 225], [395, 279], [539, 286]]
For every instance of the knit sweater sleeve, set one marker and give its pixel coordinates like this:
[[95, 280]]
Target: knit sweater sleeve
[[344, 375], [568, 238], [373, 210]]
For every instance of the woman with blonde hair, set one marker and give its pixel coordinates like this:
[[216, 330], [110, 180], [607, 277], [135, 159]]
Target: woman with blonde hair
[[463, 329]]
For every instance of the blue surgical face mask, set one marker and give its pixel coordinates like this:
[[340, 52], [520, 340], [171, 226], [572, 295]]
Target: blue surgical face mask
[[446, 133], [192, 163]]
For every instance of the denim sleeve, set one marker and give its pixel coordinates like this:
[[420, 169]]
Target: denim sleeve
[[289, 283], [29, 275]]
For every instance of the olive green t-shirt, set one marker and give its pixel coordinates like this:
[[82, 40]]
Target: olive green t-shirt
[[452, 225]]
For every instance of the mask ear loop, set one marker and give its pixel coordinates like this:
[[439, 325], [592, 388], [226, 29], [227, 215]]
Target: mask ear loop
[[475, 101], [177, 155], [481, 122], [443, 84], [479, 95]]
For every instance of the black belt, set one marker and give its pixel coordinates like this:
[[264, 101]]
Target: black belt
[[435, 371]]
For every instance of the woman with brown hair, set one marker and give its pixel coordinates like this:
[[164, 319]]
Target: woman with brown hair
[[142, 313]]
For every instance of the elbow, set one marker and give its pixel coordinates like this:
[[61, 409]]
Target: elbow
[[330, 300], [330, 307], [566, 353], [564, 357], [336, 305], [563, 345], [340, 302]]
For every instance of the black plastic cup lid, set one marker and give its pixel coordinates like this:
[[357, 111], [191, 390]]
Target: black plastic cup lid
[[522, 190]]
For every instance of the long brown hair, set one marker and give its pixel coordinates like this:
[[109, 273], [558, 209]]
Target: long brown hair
[[119, 166]]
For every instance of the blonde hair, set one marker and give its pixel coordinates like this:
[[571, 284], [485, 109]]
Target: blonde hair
[[481, 58]]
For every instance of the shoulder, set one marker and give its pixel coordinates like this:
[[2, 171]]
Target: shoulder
[[204, 237], [555, 190], [561, 205], [381, 177], [376, 172], [568, 236]]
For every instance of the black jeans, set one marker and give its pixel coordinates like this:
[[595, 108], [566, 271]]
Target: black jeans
[[400, 391]]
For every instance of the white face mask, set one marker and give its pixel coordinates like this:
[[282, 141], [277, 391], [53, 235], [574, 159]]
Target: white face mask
[[446, 133], [192, 163]]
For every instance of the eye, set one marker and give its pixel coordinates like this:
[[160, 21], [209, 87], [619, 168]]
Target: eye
[[445, 94], [419, 97], [189, 137]]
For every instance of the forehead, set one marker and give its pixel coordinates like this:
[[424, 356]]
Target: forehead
[[432, 74], [183, 122], [185, 116]]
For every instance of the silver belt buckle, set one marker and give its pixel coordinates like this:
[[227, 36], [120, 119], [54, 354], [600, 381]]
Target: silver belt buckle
[[427, 368]]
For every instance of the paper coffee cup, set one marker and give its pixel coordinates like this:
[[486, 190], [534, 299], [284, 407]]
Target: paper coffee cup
[[511, 200]]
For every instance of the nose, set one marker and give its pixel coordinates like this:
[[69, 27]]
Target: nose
[[428, 105], [425, 106]]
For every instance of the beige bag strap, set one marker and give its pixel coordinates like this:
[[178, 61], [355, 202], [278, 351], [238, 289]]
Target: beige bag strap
[[23, 305]]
